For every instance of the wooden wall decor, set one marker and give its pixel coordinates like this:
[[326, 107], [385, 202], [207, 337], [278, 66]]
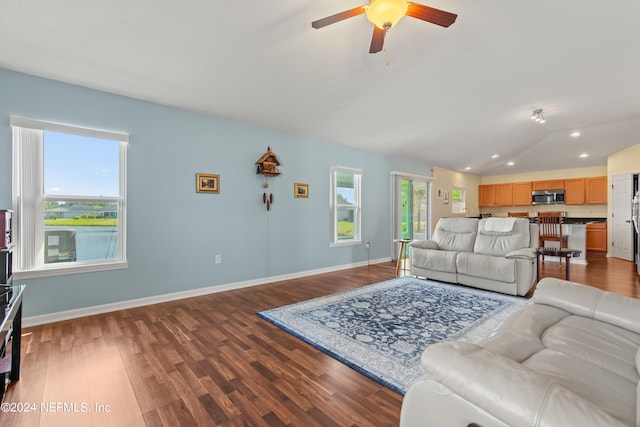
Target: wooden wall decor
[[267, 200], [268, 166]]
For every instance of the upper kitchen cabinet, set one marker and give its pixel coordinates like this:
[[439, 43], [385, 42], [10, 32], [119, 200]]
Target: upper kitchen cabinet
[[521, 194], [487, 195], [596, 190], [495, 195], [574, 191], [504, 194], [554, 184]]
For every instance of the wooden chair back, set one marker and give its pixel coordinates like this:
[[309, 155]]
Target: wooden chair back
[[519, 214], [550, 228]]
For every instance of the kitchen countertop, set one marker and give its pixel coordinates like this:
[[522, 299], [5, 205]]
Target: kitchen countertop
[[566, 220], [576, 220]]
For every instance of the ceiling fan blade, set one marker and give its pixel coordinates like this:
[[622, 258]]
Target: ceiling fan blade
[[377, 41], [338, 17], [430, 14]]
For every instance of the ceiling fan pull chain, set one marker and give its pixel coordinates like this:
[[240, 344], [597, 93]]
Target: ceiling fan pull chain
[[385, 50]]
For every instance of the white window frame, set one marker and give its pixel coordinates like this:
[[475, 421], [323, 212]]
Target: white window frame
[[29, 199], [357, 206]]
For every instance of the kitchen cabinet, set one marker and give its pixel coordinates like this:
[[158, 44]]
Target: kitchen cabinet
[[577, 191], [487, 195], [504, 194], [574, 191], [597, 236], [554, 184], [521, 194], [495, 195], [596, 190]]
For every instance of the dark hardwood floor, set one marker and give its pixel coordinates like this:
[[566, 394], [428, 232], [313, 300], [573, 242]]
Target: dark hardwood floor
[[211, 361]]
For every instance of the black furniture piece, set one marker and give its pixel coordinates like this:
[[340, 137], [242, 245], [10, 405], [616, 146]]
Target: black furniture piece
[[565, 253], [10, 334]]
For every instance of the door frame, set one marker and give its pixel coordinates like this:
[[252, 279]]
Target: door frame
[[396, 206], [621, 225]]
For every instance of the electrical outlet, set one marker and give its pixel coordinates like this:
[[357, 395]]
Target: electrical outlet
[[218, 259], [367, 244]]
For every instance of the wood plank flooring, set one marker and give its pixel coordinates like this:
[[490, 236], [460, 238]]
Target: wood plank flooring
[[211, 361]]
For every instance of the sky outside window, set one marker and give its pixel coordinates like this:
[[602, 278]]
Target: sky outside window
[[81, 166]]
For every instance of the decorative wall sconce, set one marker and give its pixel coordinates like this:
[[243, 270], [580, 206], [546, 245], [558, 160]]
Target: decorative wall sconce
[[268, 166]]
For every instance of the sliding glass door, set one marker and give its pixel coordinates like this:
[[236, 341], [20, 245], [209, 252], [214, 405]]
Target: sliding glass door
[[412, 208]]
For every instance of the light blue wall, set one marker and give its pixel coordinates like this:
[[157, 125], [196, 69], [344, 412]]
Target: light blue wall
[[173, 232]]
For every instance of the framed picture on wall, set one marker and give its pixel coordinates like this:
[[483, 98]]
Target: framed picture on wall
[[301, 191], [207, 183], [439, 193]]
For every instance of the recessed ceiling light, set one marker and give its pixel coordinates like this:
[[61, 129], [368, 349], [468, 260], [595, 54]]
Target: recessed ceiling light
[[495, 156], [584, 155], [575, 134], [468, 168], [510, 164]]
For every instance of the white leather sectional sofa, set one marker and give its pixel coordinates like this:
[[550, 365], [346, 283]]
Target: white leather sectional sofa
[[496, 254], [570, 357]]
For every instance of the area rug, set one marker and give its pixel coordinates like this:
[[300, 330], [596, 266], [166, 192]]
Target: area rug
[[382, 329]]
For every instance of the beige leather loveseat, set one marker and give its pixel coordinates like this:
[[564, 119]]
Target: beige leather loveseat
[[497, 254], [570, 357]]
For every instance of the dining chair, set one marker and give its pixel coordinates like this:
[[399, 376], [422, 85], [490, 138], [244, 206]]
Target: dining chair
[[519, 214], [550, 229]]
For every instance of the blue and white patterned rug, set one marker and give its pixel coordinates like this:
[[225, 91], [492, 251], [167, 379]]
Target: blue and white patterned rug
[[382, 329]]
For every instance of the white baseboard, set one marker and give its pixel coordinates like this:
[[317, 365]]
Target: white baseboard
[[139, 302]]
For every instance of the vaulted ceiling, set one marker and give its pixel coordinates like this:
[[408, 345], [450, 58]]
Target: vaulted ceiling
[[449, 96]]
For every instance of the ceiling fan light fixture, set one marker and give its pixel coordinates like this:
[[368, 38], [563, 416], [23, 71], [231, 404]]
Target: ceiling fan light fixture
[[384, 14]]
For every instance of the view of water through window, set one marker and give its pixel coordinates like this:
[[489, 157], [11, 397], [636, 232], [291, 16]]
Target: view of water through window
[[81, 178]]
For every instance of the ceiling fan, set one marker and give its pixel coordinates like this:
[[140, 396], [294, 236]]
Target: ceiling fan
[[384, 14]]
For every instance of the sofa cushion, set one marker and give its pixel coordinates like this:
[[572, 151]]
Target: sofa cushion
[[456, 234], [601, 344], [500, 243], [433, 259], [486, 267], [610, 393]]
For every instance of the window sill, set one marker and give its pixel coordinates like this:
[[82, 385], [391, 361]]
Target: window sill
[[345, 243], [64, 270]]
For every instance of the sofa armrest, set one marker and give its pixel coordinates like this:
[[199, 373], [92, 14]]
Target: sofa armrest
[[424, 244], [471, 376], [523, 253]]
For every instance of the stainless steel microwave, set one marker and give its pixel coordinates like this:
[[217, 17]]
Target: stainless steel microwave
[[547, 197]]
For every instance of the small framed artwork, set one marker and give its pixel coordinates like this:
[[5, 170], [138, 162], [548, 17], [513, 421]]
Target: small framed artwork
[[301, 190], [207, 183], [439, 193]]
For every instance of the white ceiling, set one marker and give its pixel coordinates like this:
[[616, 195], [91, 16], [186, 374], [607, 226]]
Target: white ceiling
[[449, 96]]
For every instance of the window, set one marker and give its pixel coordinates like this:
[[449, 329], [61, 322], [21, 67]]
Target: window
[[457, 201], [345, 206], [69, 198]]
